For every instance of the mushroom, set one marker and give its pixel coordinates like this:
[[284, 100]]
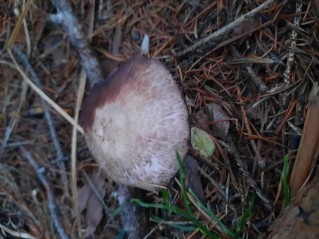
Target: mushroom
[[135, 122]]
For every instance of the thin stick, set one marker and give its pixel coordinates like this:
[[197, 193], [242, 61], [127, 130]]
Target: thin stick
[[73, 29], [43, 95], [227, 28], [132, 216], [47, 115], [243, 168], [14, 119], [53, 208]]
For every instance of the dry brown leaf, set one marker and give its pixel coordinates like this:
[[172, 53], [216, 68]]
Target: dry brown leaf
[[87, 200], [217, 114], [83, 196], [305, 158], [193, 180], [202, 119]]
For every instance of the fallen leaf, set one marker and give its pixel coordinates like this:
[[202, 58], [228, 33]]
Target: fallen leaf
[[308, 148], [202, 142], [83, 196], [88, 200], [192, 177], [202, 119], [217, 114]]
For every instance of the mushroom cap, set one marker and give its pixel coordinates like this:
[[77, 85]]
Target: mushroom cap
[[135, 122]]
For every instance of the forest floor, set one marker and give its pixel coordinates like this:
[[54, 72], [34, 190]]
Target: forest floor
[[249, 82]]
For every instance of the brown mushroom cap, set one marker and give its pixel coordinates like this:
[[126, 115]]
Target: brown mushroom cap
[[134, 123]]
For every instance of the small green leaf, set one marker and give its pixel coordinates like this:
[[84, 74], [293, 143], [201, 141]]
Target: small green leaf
[[202, 142]]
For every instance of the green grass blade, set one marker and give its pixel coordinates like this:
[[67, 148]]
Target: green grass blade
[[210, 213], [182, 180], [285, 184], [182, 226], [187, 201], [244, 218], [165, 207], [178, 211]]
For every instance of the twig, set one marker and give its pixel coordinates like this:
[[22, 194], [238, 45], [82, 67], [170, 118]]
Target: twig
[[37, 90], [73, 29], [255, 78], [97, 194], [47, 115], [10, 42], [243, 168], [217, 185], [224, 30], [13, 120], [132, 217], [53, 208]]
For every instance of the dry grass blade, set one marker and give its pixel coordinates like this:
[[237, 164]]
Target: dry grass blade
[[44, 96], [306, 156], [74, 151], [14, 119], [16, 234], [20, 21]]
